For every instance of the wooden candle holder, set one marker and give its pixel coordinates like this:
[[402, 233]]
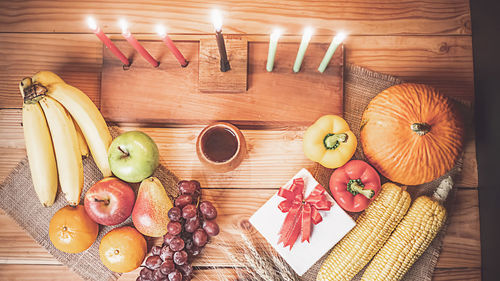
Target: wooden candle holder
[[211, 79], [200, 94]]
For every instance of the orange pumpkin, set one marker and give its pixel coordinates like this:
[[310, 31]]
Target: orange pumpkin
[[411, 134], [71, 230]]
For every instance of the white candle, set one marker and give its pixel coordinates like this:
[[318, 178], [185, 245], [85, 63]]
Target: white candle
[[302, 48], [337, 40], [273, 43]]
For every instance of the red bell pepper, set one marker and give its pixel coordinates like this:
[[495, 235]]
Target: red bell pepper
[[355, 185]]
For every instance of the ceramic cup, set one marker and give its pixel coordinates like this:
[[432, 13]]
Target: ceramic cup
[[221, 147]]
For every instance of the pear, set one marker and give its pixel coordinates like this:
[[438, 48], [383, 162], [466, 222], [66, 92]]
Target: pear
[[150, 213]]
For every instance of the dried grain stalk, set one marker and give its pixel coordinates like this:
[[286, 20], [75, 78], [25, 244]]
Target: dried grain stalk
[[256, 261]]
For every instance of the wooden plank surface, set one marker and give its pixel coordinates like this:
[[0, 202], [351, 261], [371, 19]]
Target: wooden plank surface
[[77, 58], [273, 155], [252, 17], [17, 272], [461, 246], [418, 41], [62, 273], [442, 61], [272, 98], [210, 77]]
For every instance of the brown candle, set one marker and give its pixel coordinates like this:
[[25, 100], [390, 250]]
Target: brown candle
[[217, 20], [224, 62]]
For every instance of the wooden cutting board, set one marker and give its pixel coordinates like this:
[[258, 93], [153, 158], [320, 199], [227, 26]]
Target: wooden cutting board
[[171, 94]]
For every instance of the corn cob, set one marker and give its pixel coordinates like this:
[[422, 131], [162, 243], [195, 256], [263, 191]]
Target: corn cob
[[373, 228], [411, 238]]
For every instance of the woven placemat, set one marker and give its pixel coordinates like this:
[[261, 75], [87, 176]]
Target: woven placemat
[[360, 86], [18, 198]]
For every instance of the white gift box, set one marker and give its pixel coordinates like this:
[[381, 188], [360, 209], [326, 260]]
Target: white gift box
[[336, 224]]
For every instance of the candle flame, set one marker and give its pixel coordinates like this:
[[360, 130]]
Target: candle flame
[[160, 29], [124, 26], [340, 37], [217, 19], [91, 23], [308, 32], [276, 34]]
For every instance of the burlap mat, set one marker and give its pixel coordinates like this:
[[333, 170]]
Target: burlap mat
[[360, 86], [18, 198]]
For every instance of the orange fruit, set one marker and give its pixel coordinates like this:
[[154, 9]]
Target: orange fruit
[[123, 249], [71, 230]]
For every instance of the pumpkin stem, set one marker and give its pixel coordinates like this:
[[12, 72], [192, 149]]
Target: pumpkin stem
[[333, 141], [443, 189], [356, 187], [420, 128]]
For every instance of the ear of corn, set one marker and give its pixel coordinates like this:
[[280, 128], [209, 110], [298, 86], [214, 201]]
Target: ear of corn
[[410, 239], [373, 228]]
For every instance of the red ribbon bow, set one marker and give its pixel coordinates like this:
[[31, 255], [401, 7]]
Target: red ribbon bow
[[301, 212]]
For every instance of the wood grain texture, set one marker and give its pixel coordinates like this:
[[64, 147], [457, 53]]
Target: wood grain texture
[[76, 58], [252, 17], [462, 232], [211, 79], [16, 272], [461, 247], [445, 63], [23, 272], [9, 158], [469, 274], [273, 155], [384, 37], [173, 96], [441, 61]]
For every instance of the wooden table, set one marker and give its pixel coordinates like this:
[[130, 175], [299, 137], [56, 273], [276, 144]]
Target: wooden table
[[420, 41]]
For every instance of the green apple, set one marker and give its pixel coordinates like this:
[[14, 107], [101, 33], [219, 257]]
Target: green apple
[[133, 156]]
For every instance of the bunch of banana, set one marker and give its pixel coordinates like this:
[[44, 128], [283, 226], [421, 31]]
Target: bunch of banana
[[60, 125]]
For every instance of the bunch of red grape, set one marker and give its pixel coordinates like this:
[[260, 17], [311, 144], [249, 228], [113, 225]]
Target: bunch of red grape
[[192, 223]]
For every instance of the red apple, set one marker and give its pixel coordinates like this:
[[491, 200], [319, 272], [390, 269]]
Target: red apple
[[109, 201]]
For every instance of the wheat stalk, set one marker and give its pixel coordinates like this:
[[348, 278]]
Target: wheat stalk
[[256, 261]]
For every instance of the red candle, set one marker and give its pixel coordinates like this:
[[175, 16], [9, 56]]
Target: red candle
[[137, 46], [106, 41], [171, 46]]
